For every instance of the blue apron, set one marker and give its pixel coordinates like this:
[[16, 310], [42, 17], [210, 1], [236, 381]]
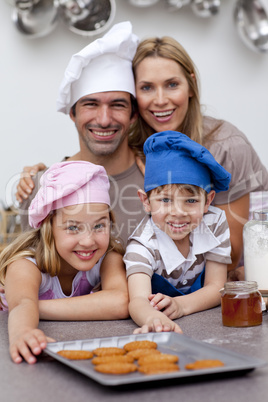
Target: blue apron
[[162, 285]]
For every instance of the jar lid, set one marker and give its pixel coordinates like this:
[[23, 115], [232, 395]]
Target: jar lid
[[241, 287], [261, 215]]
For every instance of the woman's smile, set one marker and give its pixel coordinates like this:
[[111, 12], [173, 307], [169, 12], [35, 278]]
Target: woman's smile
[[162, 93], [164, 115]]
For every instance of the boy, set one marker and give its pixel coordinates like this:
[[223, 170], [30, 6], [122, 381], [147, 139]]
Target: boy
[[177, 258]]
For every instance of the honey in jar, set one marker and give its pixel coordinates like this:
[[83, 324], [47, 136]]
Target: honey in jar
[[241, 304]]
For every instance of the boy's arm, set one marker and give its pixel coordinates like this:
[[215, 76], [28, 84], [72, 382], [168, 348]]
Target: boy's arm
[[140, 309], [207, 297], [110, 303]]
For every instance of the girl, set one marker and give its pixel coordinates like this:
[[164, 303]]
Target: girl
[[168, 97], [70, 253]]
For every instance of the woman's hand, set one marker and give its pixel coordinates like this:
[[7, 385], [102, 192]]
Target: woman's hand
[[237, 274], [28, 344]]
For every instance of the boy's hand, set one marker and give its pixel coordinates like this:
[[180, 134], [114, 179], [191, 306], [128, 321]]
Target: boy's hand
[[166, 304], [158, 325]]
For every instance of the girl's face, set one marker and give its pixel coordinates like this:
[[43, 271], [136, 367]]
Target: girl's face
[[82, 234], [176, 211], [162, 93]]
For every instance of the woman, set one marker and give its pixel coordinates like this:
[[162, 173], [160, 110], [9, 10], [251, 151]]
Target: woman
[[167, 91]]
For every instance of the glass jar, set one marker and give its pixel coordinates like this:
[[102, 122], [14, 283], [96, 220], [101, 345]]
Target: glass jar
[[255, 240], [241, 304]]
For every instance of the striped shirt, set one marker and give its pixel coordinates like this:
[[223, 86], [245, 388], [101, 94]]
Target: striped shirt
[[151, 250]]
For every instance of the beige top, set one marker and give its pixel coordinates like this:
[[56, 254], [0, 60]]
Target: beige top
[[231, 148]]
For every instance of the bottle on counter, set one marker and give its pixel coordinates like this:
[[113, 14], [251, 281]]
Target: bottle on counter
[[241, 304], [255, 240]]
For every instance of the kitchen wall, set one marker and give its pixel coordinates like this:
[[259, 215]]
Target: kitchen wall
[[234, 81]]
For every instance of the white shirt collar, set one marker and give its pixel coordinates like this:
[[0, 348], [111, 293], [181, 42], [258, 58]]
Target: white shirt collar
[[202, 239]]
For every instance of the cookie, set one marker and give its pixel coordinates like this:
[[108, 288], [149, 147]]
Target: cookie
[[108, 351], [140, 345], [115, 368], [75, 354], [204, 364], [158, 368], [137, 353], [112, 358], [158, 358]]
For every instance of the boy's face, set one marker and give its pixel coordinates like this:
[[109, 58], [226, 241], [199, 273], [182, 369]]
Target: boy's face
[[177, 211]]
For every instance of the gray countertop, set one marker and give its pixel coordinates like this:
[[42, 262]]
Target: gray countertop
[[51, 381]]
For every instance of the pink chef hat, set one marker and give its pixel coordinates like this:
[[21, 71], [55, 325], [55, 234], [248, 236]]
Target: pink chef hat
[[69, 183]]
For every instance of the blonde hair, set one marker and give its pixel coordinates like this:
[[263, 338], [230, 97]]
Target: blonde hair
[[169, 48], [39, 244]]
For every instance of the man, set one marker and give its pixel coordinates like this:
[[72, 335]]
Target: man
[[98, 93]]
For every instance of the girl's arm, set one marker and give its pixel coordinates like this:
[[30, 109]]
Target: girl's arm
[[206, 297], [110, 303], [22, 282], [142, 311]]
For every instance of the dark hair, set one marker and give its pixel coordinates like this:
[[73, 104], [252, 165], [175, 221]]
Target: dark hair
[[134, 107]]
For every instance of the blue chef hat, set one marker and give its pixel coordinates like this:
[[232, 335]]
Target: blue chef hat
[[173, 158]]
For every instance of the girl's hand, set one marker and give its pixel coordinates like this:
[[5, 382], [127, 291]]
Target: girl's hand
[[158, 325], [27, 345], [166, 304]]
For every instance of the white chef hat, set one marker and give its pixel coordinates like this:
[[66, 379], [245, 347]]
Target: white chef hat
[[103, 65]]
